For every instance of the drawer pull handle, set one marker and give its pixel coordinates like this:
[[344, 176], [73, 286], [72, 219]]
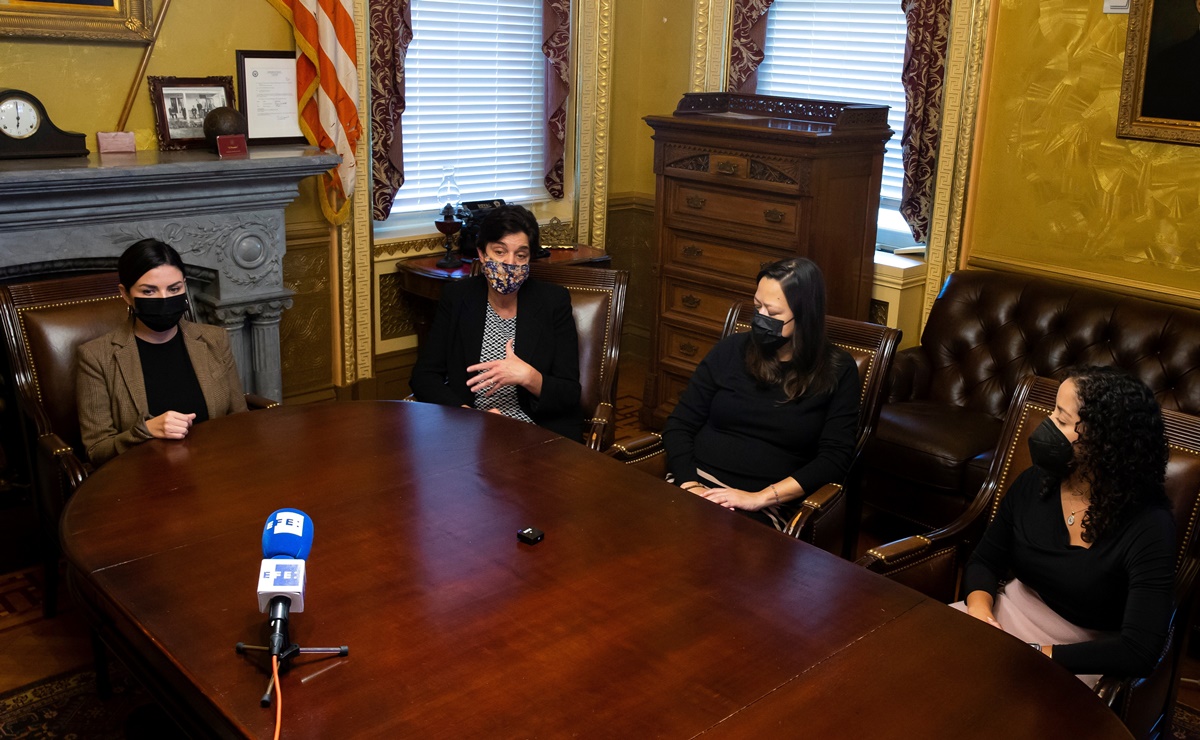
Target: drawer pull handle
[[773, 216], [695, 201], [692, 250], [687, 349], [726, 168], [691, 301]]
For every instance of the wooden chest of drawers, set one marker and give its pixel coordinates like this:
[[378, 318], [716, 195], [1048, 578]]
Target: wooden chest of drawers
[[743, 181]]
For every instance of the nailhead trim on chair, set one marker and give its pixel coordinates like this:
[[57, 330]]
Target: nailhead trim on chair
[[37, 385]]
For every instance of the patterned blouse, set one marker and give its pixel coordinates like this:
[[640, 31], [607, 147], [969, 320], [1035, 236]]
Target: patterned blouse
[[496, 333]]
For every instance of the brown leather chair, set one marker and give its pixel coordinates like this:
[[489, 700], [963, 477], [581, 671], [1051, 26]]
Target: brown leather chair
[[932, 562], [822, 519], [598, 304], [44, 322]]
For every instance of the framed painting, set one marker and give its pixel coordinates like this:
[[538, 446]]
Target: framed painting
[[180, 105], [1160, 82], [89, 20]]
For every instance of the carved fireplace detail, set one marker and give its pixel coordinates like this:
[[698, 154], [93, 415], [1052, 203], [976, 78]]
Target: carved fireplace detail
[[225, 216]]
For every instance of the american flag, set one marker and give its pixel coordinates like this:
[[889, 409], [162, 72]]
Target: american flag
[[327, 90]]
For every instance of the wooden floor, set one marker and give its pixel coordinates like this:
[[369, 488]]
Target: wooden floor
[[34, 648]]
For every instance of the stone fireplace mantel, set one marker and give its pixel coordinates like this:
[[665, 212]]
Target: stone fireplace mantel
[[225, 216]]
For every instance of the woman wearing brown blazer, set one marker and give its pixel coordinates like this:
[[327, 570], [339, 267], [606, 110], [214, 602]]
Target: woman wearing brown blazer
[[159, 375]]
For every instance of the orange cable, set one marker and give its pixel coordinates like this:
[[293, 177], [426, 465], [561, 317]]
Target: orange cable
[[278, 695]]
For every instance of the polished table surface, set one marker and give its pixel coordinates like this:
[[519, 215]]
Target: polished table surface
[[645, 612]]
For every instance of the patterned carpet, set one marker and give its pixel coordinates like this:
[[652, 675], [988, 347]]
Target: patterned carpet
[[67, 706]]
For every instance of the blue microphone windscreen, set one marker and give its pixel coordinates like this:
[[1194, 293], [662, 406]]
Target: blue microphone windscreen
[[287, 534]]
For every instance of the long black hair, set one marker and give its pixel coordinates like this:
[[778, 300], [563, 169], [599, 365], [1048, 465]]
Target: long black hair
[[811, 367], [142, 257], [1122, 448]]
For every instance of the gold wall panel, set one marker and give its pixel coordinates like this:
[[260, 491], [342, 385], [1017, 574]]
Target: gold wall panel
[[1055, 190], [306, 329]]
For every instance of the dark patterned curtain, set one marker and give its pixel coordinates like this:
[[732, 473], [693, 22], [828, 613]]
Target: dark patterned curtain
[[391, 33], [747, 39], [923, 76], [556, 45]]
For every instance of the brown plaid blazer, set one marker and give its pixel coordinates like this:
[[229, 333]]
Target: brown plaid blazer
[[112, 392]]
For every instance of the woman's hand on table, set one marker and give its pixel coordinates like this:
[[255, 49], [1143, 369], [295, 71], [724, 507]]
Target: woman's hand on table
[[170, 425]]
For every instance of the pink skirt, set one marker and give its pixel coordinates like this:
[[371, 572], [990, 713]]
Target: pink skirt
[[1023, 614]]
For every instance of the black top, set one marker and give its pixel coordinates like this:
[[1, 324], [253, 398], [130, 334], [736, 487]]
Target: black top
[[750, 437], [170, 379], [1121, 584], [546, 339]]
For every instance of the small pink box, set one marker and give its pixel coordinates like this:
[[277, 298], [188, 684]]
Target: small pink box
[[115, 141]]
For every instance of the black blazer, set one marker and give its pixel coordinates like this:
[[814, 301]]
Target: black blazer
[[546, 339]]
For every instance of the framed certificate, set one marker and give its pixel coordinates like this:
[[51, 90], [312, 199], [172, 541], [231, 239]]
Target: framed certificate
[[267, 97]]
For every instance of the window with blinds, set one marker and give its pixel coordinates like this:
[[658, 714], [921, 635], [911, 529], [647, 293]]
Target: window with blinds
[[849, 50], [473, 88]]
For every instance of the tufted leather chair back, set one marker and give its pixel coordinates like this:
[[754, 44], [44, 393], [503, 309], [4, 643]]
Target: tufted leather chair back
[[598, 304], [987, 330], [44, 322]]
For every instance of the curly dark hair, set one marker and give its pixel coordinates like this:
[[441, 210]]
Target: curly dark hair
[[1122, 449]]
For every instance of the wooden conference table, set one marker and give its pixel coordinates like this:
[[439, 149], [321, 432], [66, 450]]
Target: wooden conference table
[[645, 612]]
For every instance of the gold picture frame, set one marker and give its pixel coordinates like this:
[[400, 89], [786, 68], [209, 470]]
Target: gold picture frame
[[1157, 103], [129, 21]]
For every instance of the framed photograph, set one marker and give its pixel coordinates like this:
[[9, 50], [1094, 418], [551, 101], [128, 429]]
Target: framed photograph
[[1160, 83], [267, 97], [180, 105], [90, 20]]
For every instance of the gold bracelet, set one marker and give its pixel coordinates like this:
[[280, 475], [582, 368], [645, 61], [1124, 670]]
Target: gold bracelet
[[776, 494]]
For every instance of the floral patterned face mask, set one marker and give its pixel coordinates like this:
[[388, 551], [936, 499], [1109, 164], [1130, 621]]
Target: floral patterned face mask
[[504, 278]]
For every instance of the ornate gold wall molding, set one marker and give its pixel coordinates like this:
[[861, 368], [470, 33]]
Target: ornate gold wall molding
[[592, 80], [710, 45], [354, 263], [969, 29]]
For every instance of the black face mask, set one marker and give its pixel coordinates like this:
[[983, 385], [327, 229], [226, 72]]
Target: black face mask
[[767, 332], [1051, 450], [160, 314]]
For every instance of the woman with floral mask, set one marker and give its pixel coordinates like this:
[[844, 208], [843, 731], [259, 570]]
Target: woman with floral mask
[[1085, 534], [501, 342], [771, 415], [159, 375]]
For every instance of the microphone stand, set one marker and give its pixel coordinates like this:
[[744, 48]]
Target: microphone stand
[[281, 646]]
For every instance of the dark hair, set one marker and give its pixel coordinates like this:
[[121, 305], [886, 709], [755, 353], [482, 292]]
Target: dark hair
[[504, 220], [1122, 449], [142, 257], [811, 368]]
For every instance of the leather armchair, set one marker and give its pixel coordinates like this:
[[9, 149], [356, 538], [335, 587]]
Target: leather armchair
[[932, 562], [822, 519], [598, 304], [987, 330]]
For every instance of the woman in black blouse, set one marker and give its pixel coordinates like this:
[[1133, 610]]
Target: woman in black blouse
[[501, 342], [771, 415], [1086, 533], [160, 374]]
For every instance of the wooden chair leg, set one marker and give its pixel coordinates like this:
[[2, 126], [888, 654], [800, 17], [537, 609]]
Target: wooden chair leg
[[100, 660]]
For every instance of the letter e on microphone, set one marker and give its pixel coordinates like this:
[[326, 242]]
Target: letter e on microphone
[[281, 577]]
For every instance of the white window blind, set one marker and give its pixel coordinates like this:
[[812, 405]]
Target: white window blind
[[847, 50], [473, 89]]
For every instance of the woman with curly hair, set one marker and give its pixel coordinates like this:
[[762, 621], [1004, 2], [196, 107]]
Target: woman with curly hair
[[1086, 534]]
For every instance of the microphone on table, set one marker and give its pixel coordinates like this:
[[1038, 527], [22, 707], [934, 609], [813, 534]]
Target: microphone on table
[[286, 541]]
